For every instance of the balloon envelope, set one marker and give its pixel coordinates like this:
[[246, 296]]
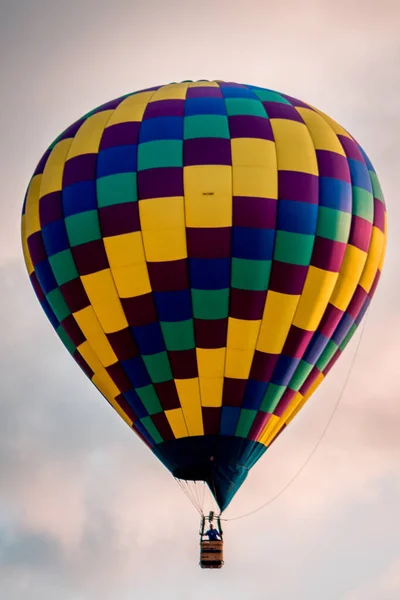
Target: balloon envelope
[[205, 251]]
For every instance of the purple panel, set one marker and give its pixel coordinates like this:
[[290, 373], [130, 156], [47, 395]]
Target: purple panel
[[36, 286], [79, 168], [208, 242], [167, 394], [207, 151], [211, 333], [168, 276], [277, 110], [139, 310], [328, 254], [42, 163], [36, 248], [247, 304], [287, 278], [233, 391], [293, 185], [123, 344], [164, 108], [246, 126], [160, 183], [284, 402], [334, 165], [375, 283], [211, 420], [263, 366], [330, 321], [351, 149], [72, 130], [121, 134], [73, 330], [295, 101], [360, 233], [119, 377], [163, 426], [254, 212], [119, 218], [90, 257], [203, 92], [332, 362], [296, 342], [83, 364], [309, 381], [111, 104], [379, 214], [126, 407], [357, 302], [259, 423], [183, 363], [74, 295], [50, 208]]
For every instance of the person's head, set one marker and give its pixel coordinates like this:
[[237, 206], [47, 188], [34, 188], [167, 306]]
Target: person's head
[[211, 526]]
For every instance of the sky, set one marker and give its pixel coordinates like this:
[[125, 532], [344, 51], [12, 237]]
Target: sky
[[86, 511]]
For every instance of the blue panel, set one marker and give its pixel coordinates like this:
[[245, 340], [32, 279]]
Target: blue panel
[[45, 276], [359, 175], [79, 197], [136, 371], [210, 273], [135, 403], [237, 92], [253, 244], [144, 433], [173, 306], [363, 310], [50, 314], [161, 128], [204, 106], [297, 217], [229, 419], [149, 338], [118, 159], [334, 193], [315, 348], [342, 329], [55, 237], [254, 394], [284, 370], [369, 163]]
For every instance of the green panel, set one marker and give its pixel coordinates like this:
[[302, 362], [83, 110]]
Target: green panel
[[333, 224], [250, 274], [376, 186], [363, 204], [160, 153], [83, 227], [245, 422], [116, 189], [348, 337], [178, 335], [151, 428], [210, 304], [150, 400], [58, 304], [326, 356], [272, 396], [245, 106], [66, 340], [206, 126], [63, 266], [293, 248], [270, 96], [302, 372], [158, 367]]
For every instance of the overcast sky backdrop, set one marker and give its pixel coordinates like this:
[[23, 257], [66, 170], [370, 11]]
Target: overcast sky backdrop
[[86, 512]]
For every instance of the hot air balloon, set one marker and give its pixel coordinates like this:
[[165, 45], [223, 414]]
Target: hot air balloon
[[205, 251]]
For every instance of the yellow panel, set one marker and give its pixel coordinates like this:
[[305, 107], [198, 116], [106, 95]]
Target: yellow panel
[[194, 84], [91, 329], [165, 245], [132, 280], [322, 134], [314, 299], [119, 410], [125, 249], [131, 109], [277, 319], [349, 277], [238, 363], [53, 171], [25, 249], [162, 213], [174, 91], [88, 354], [211, 391], [338, 129], [208, 196], [211, 362], [242, 333], [306, 397], [255, 181], [272, 422], [108, 387], [374, 255], [111, 315], [100, 287], [87, 139], [293, 405], [294, 147], [189, 396], [252, 152], [177, 422], [32, 221]]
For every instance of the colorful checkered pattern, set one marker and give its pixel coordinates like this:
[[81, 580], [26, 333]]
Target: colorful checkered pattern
[[205, 251]]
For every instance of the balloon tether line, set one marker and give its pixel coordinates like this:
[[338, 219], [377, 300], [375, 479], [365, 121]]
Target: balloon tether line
[[319, 440]]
